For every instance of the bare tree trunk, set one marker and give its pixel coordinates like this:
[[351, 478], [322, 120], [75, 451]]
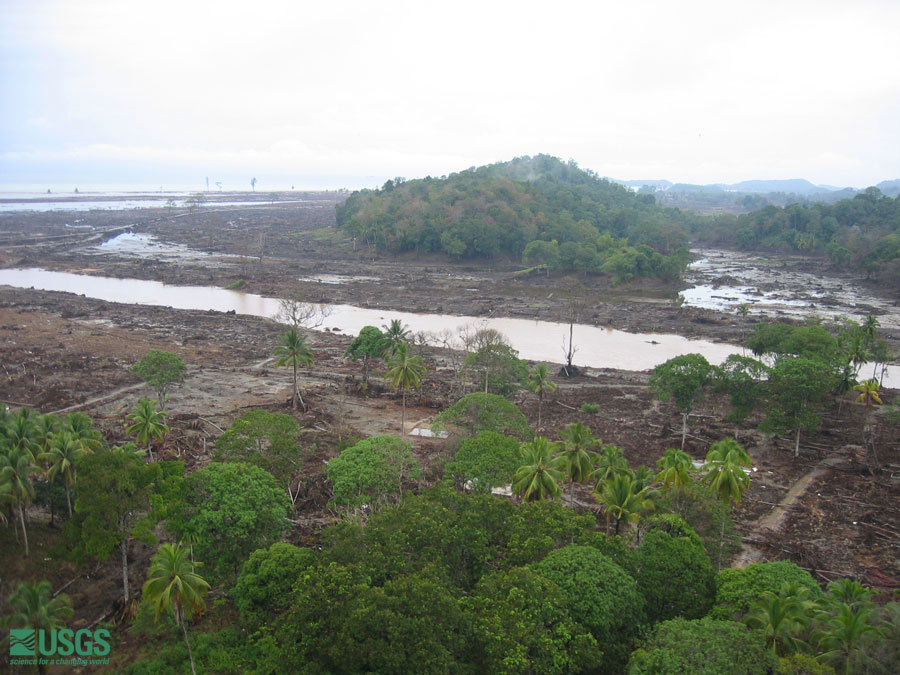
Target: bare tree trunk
[[186, 641], [69, 501], [684, 419], [24, 533], [797, 444], [123, 547], [403, 416], [540, 405], [294, 398]]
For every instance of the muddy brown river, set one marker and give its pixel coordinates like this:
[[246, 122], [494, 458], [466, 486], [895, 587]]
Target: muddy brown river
[[597, 347]]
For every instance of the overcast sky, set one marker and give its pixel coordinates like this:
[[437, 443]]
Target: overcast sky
[[135, 92]]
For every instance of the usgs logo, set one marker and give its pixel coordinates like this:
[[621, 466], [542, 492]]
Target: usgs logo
[[58, 642]]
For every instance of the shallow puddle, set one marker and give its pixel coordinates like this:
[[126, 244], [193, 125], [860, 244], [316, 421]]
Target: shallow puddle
[[131, 244]]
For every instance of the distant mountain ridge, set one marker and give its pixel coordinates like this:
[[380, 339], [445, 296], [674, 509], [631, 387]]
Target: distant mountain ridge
[[799, 186]]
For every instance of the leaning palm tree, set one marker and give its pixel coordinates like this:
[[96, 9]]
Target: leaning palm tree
[[623, 499], [173, 586], [538, 382], [63, 452], [576, 457], [148, 423], [405, 372], [539, 475], [674, 468], [294, 351], [394, 335], [16, 467]]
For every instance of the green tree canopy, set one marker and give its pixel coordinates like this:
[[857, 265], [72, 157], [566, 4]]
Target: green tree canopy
[[682, 380], [478, 412], [601, 596], [115, 508], [372, 470], [702, 646], [267, 440], [371, 343], [263, 587], [674, 574], [519, 622], [797, 390], [486, 461], [160, 369], [233, 509], [738, 589]]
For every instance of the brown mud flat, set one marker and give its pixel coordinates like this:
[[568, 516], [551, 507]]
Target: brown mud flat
[[277, 249], [59, 350]]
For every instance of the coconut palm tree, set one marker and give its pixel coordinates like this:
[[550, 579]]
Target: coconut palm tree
[[575, 455], [622, 498], [644, 478], [726, 477], [47, 425], [148, 423], [724, 470], [539, 475], [33, 606], [22, 432], [394, 335], [538, 382], [844, 639], [16, 467], [80, 426], [63, 452], [173, 586], [782, 617], [405, 372], [857, 353], [850, 592], [294, 351], [674, 468], [610, 462]]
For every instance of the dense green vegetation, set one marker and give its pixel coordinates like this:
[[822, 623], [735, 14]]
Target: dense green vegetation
[[554, 213], [861, 233], [557, 216], [447, 577]]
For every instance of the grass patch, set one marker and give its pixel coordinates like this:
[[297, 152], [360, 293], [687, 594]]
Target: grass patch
[[589, 407], [234, 285]]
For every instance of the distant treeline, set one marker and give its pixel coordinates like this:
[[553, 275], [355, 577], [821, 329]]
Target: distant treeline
[[861, 233], [588, 224], [560, 217]]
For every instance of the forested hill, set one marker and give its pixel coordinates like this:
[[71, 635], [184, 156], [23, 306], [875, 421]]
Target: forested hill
[[501, 208]]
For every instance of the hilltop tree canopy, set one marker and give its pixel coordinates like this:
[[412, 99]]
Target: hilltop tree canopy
[[591, 224]]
